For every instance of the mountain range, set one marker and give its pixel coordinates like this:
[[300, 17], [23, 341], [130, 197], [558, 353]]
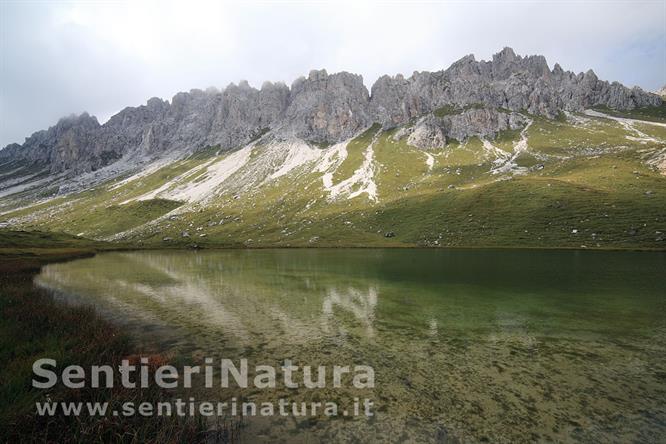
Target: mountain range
[[456, 157]]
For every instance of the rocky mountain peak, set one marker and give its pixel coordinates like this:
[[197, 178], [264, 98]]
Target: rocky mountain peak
[[317, 75], [73, 121], [327, 108], [464, 66], [506, 55], [156, 104], [591, 75]]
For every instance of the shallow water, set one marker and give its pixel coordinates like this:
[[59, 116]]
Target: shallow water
[[467, 345]]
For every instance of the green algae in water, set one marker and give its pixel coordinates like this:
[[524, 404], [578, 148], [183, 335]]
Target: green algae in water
[[467, 345]]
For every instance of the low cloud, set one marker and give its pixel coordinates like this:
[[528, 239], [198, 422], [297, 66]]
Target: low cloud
[[62, 58]]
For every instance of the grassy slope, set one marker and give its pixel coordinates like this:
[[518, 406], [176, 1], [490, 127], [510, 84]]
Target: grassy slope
[[355, 153], [594, 180], [655, 113]]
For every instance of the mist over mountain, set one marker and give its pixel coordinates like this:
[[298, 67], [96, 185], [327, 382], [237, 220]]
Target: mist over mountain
[[327, 108]]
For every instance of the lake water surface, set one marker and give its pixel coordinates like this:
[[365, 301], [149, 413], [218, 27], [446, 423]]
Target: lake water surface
[[467, 345]]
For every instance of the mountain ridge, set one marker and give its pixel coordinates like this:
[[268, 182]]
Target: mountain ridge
[[328, 108], [500, 153]]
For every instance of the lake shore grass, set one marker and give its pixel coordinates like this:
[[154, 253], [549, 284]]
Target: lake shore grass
[[34, 325]]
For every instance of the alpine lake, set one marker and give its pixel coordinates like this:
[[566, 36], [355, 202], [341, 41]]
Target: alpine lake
[[466, 345]]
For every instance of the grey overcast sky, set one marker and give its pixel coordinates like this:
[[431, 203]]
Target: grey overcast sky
[[59, 58]]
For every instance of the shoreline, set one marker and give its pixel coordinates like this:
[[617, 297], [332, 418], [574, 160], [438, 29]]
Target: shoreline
[[65, 247], [37, 325]]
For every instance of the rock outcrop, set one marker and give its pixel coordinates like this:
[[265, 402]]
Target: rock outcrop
[[325, 108], [427, 133], [481, 122], [507, 81], [60, 146], [434, 131]]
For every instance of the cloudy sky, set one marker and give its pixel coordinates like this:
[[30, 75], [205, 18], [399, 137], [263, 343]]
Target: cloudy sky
[[59, 58]]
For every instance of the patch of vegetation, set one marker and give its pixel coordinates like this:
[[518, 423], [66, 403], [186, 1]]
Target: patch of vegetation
[[561, 138], [42, 239], [402, 167], [15, 169], [652, 130], [651, 113], [418, 204], [321, 145], [529, 213], [34, 325], [101, 220], [109, 156], [206, 153], [506, 139], [355, 152], [446, 110], [152, 181]]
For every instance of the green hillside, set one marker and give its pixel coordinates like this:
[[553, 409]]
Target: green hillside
[[579, 181]]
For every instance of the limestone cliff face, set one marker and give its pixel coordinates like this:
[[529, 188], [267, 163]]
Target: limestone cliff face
[[242, 113], [131, 127], [432, 131], [60, 146], [507, 81], [325, 108]]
